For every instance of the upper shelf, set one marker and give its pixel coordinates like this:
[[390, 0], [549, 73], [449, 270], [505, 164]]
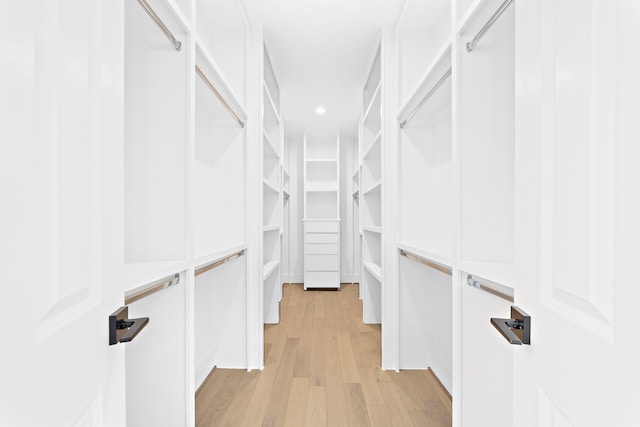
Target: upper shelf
[[372, 113], [433, 92], [211, 70]]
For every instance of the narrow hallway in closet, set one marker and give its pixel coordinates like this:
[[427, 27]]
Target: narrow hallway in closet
[[322, 369]]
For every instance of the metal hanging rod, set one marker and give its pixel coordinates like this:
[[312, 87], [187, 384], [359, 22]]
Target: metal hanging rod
[[152, 288], [472, 44], [487, 286], [218, 263], [176, 43], [426, 98], [219, 96], [428, 263]]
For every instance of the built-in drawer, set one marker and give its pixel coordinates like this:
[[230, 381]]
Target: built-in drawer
[[322, 238], [322, 279], [321, 248], [322, 263], [322, 227]]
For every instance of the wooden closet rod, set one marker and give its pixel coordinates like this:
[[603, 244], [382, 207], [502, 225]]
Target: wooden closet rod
[[426, 98], [176, 43], [488, 286], [218, 263], [152, 288], [219, 96], [488, 25], [428, 263]]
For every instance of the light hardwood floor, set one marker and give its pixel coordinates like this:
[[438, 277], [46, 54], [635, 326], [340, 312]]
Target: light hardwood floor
[[322, 368]]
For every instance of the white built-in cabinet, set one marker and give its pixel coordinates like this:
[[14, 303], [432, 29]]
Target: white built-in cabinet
[[321, 210], [272, 195], [455, 202], [184, 202], [370, 194]]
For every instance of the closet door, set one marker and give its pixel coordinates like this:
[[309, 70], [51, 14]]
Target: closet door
[[62, 138], [577, 198]]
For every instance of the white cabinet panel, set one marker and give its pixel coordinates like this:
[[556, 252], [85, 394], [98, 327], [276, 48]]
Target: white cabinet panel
[[322, 227], [322, 263], [321, 279], [333, 248]]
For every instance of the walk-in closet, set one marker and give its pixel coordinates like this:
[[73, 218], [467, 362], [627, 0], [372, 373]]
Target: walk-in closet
[[299, 213]]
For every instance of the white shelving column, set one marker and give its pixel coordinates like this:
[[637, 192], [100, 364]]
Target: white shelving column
[[321, 211], [425, 197], [185, 154], [455, 210], [272, 202], [370, 195], [484, 105]]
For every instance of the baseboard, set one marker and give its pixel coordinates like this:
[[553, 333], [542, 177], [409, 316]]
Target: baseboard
[[296, 278], [441, 386], [206, 379]]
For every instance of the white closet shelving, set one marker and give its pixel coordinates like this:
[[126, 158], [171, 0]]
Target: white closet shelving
[[272, 195], [425, 221], [321, 211], [486, 164], [184, 201], [370, 195], [455, 210]]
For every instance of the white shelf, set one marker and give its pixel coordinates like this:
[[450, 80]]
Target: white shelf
[[323, 160], [374, 269], [376, 186], [216, 77], [269, 102], [269, 186], [374, 99], [376, 140], [433, 73], [372, 229], [270, 145], [269, 268], [268, 228]]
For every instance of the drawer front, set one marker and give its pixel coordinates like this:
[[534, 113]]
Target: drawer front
[[322, 238], [321, 248], [322, 263], [315, 279], [322, 227]]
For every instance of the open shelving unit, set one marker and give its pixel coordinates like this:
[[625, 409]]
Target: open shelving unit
[[184, 153], [321, 210], [455, 213], [272, 194], [370, 195]]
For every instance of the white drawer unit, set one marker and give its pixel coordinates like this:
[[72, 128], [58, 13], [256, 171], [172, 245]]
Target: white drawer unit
[[322, 254]]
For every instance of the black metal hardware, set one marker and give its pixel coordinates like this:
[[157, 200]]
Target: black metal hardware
[[123, 329], [516, 330]]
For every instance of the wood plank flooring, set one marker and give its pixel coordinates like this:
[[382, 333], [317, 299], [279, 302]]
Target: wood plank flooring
[[322, 368]]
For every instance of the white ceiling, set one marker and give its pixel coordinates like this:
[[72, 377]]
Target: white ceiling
[[321, 52]]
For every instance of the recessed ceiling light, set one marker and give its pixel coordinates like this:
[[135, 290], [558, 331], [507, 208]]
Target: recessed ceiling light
[[320, 110]]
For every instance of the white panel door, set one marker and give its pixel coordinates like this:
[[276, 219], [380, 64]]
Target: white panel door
[[61, 151], [578, 210]]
